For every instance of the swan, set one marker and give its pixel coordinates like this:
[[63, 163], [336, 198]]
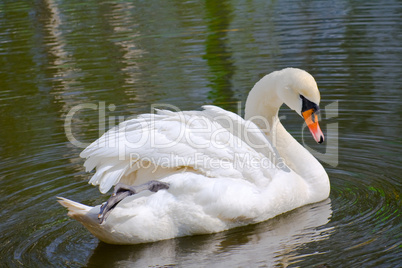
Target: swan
[[197, 172]]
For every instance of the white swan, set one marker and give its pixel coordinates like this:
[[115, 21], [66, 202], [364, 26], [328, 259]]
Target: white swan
[[216, 170]]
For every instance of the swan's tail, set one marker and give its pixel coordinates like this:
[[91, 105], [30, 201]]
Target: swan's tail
[[74, 208], [78, 211], [88, 216]]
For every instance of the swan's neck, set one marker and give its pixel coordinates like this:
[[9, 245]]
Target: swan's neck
[[263, 101], [262, 107]]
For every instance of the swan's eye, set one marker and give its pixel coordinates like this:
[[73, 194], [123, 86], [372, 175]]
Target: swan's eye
[[307, 105]]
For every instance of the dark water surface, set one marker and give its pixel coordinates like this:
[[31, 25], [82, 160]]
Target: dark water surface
[[116, 58]]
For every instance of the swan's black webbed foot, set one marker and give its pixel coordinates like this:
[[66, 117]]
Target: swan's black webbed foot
[[121, 191]]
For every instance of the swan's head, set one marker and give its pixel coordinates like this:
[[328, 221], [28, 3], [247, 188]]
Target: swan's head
[[299, 91]]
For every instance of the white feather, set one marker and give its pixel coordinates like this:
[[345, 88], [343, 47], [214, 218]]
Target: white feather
[[201, 140]]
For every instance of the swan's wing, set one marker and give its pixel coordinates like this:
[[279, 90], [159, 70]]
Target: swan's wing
[[247, 131], [213, 142]]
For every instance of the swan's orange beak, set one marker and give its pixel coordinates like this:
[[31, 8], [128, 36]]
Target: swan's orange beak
[[311, 119]]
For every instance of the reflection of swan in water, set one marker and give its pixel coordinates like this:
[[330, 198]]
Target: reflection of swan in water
[[223, 171], [274, 242]]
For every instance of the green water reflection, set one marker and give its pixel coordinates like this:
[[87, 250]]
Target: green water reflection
[[217, 54]]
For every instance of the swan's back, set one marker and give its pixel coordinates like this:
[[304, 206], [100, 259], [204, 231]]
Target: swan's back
[[212, 142]]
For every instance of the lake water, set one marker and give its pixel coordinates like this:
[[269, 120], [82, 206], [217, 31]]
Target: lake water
[[120, 57]]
